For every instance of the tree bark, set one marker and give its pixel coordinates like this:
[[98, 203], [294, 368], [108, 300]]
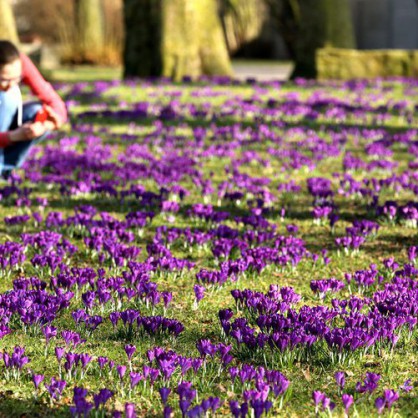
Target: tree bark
[[307, 25], [174, 38], [7, 22], [242, 21], [142, 54], [90, 30]]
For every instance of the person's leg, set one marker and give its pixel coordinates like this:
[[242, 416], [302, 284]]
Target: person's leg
[[9, 102], [15, 154]]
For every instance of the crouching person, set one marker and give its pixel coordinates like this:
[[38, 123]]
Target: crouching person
[[23, 125]]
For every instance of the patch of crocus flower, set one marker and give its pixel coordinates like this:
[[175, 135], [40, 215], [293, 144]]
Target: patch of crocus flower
[[110, 233]]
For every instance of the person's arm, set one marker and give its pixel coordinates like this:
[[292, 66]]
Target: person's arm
[[42, 89], [23, 133], [4, 139]]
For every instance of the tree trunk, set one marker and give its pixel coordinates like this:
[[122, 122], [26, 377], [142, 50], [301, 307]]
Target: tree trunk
[[7, 22], [90, 30], [174, 38], [142, 54], [307, 25], [242, 21]]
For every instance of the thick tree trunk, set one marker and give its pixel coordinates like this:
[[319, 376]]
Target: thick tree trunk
[[7, 22], [242, 21], [142, 55], [174, 38], [307, 25], [90, 30]]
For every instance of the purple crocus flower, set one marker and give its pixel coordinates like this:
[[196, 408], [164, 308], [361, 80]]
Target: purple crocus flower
[[85, 359], [292, 229], [370, 383], [130, 350], [199, 292], [49, 332], [56, 387], [235, 409], [347, 400], [167, 367], [317, 397], [380, 405], [164, 393], [102, 397], [167, 413], [239, 411], [121, 369], [37, 379], [130, 410], [412, 253], [135, 378], [185, 364], [59, 352], [390, 396], [321, 400], [186, 391], [114, 318], [406, 386], [205, 347], [102, 361], [81, 406], [340, 379], [167, 298], [184, 405]]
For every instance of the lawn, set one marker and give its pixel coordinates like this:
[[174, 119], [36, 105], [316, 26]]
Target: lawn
[[219, 248]]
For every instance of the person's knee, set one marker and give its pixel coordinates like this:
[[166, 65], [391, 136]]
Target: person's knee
[[30, 110]]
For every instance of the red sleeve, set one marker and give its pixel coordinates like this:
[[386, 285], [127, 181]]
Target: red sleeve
[[40, 88], [4, 139]]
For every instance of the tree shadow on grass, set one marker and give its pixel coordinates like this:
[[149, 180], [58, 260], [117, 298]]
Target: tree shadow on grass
[[11, 407]]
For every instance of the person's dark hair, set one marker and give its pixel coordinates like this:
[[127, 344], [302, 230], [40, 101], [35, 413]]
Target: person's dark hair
[[8, 52]]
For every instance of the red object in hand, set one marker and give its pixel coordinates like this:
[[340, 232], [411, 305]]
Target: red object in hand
[[41, 116]]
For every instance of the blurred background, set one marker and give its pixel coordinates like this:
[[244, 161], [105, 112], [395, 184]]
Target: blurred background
[[242, 38]]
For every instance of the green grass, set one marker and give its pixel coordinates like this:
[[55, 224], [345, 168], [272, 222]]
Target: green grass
[[79, 73], [17, 397]]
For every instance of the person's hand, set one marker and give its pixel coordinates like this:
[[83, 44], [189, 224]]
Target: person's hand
[[20, 134], [53, 117], [28, 131], [36, 129]]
